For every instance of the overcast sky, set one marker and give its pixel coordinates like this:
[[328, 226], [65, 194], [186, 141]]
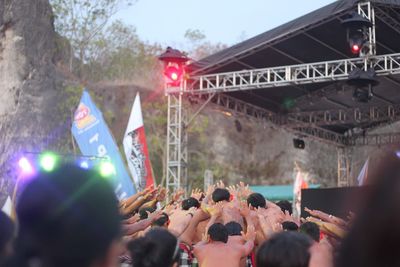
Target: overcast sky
[[225, 21]]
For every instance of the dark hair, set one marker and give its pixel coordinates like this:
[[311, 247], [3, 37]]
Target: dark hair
[[189, 203], [233, 228], [162, 221], [374, 236], [143, 212], [286, 249], [285, 205], [311, 229], [68, 217], [221, 194], [256, 200], [218, 232], [289, 226], [157, 248], [6, 234]]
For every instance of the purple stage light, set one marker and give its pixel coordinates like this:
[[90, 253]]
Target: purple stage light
[[25, 165], [84, 164]]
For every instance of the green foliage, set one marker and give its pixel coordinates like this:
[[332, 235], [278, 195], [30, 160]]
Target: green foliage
[[66, 109], [81, 21], [199, 47], [119, 54]]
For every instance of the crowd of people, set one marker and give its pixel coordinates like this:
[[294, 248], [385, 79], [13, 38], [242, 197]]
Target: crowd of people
[[71, 217]]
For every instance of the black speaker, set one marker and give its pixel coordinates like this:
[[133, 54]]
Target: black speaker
[[335, 201], [298, 143]]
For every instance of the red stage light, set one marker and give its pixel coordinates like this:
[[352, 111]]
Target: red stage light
[[355, 49], [173, 74]]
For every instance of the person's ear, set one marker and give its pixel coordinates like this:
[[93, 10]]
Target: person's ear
[[111, 257]]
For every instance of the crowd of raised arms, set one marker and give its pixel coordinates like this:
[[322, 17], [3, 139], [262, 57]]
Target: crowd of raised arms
[[71, 217]]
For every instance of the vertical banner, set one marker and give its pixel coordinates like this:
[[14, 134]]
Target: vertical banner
[[135, 148], [299, 183], [94, 139]]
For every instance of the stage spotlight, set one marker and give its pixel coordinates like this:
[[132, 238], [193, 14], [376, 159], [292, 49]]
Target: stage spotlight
[[357, 33], [363, 83], [107, 169], [25, 165], [238, 126], [174, 66], [298, 143], [48, 161]]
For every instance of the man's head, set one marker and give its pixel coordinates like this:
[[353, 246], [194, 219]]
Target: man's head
[[157, 248], [221, 194], [286, 249], [163, 221], [311, 229], [256, 200], [289, 226], [143, 212], [285, 206], [233, 228], [218, 232], [68, 217], [190, 203]]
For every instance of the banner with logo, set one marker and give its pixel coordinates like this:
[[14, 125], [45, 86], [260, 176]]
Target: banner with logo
[[135, 148], [94, 139]]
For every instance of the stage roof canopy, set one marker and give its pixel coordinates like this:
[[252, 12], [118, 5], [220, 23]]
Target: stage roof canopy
[[316, 37]]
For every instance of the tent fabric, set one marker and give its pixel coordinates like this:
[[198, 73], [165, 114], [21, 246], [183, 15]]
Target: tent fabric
[[288, 29], [277, 192]]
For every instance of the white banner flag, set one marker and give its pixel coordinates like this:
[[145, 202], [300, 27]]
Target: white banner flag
[[135, 148]]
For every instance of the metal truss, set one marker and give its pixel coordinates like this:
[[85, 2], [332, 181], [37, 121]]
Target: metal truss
[[375, 139], [176, 165], [301, 123], [318, 72], [242, 108], [366, 10], [344, 167], [345, 116]]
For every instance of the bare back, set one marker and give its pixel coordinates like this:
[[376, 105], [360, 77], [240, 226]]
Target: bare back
[[218, 254]]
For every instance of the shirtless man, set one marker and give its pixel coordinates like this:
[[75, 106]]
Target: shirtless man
[[230, 211], [180, 218], [235, 238], [215, 251]]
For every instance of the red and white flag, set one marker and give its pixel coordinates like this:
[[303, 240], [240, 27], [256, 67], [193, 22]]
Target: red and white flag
[[299, 183], [135, 148]]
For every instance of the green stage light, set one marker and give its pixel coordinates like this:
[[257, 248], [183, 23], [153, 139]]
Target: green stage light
[[48, 161], [107, 169]]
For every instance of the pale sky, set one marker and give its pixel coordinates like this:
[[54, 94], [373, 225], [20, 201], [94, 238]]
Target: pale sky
[[225, 21]]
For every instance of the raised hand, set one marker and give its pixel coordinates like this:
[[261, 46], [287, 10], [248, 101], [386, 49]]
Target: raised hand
[[162, 193], [197, 194], [210, 190], [155, 215], [250, 235], [243, 190], [220, 184], [216, 210], [244, 209], [177, 195]]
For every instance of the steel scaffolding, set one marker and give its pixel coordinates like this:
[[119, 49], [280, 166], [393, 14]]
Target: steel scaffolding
[[212, 88], [176, 174]]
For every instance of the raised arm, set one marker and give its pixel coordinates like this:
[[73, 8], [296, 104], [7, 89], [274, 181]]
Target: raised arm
[[188, 234], [249, 237]]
